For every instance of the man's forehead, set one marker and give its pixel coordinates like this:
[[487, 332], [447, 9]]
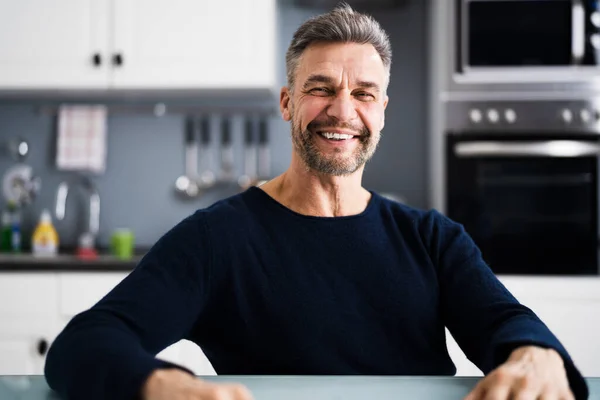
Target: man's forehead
[[357, 62], [342, 53]]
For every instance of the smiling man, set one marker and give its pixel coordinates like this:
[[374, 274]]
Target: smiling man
[[312, 273]]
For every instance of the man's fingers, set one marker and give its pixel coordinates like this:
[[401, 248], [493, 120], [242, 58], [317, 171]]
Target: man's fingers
[[530, 394], [567, 394], [550, 395], [241, 392], [477, 392], [224, 392], [500, 392], [527, 387]]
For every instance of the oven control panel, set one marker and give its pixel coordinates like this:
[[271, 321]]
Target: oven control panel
[[523, 116]]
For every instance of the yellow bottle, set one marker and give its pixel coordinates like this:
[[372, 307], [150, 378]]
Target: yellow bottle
[[45, 238]]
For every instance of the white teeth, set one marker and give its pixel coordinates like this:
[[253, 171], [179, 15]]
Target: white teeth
[[337, 136]]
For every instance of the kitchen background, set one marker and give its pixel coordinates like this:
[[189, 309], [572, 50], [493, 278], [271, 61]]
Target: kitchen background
[[446, 111], [145, 152]]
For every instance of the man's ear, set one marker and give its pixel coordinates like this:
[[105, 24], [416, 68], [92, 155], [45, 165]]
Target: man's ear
[[284, 103], [385, 103]]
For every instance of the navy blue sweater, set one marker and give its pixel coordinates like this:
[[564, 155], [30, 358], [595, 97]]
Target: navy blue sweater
[[264, 290]]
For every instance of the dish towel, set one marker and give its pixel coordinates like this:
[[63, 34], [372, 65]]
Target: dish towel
[[81, 143]]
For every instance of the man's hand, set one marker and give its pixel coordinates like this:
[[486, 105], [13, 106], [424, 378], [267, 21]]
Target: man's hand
[[530, 373], [174, 384]]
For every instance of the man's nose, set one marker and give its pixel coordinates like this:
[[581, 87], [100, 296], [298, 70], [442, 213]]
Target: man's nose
[[342, 108]]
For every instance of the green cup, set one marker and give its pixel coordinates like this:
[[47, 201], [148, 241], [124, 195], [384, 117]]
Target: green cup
[[122, 243]]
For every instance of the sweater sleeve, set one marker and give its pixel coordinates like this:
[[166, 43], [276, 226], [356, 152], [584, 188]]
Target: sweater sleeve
[[484, 318], [108, 351]]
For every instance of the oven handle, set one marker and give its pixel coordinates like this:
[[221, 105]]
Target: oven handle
[[578, 32], [548, 148]]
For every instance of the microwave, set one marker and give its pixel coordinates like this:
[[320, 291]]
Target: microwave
[[539, 37]]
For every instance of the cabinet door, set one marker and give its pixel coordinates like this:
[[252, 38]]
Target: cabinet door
[[51, 44], [16, 357], [25, 354], [27, 300], [192, 44]]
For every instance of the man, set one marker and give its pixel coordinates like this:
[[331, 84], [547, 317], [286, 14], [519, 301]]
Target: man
[[311, 273]]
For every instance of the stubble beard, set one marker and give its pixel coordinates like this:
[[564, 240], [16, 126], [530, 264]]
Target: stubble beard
[[334, 164]]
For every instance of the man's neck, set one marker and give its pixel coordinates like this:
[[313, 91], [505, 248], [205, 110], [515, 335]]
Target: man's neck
[[310, 193]]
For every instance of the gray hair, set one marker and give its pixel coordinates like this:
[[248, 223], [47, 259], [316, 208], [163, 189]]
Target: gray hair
[[342, 24]]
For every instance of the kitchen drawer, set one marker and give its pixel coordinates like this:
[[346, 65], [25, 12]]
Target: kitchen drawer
[[81, 290], [25, 294]]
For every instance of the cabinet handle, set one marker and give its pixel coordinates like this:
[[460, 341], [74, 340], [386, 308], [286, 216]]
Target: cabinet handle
[[42, 347], [97, 59], [118, 59]]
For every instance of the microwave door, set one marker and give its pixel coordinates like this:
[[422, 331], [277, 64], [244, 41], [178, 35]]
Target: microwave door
[[522, 34]]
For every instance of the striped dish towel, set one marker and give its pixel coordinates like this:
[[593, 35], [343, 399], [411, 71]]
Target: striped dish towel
[[81, 142]]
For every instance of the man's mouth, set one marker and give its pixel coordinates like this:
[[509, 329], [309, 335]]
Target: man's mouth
[[335, 135]]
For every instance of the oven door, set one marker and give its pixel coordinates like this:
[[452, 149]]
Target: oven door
[[529, 202]]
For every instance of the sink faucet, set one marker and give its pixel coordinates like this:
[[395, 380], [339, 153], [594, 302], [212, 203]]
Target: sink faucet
[[94, 208]]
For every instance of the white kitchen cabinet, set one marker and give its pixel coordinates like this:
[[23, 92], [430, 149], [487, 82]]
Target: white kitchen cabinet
[[28, 312], [25, 353], [137, 44], [52, 44], [18, 357], [183, 44]]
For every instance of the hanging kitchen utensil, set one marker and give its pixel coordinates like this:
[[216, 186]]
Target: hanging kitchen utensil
[[187, 184], [19, 185], [249, 176], [227, 161], [264, 155], [207, 176]]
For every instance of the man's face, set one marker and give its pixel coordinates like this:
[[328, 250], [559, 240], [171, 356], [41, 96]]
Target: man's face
[[337, 106]]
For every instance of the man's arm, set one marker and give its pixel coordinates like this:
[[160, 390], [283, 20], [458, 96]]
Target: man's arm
[[486, 321], [108, 352]]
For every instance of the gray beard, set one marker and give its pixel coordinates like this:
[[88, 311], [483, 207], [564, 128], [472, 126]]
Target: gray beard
[[305, 146]]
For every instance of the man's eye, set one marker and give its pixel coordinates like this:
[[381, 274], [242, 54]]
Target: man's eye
[[320, 91], [365, 96]]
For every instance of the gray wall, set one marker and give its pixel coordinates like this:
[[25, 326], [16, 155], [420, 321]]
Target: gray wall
[[145, 153]]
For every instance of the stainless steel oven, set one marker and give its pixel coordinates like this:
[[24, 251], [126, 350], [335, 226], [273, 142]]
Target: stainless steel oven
[[522, 177]]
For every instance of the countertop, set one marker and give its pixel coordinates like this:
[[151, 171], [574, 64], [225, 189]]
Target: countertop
[[67, 261], [304, 387]]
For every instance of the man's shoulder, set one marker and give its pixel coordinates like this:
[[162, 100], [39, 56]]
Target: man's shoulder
[[422, 218], [225, 209], [400, 207]]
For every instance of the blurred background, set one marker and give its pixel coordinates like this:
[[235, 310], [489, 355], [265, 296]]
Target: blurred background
[[119, 118], [174, 67]]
